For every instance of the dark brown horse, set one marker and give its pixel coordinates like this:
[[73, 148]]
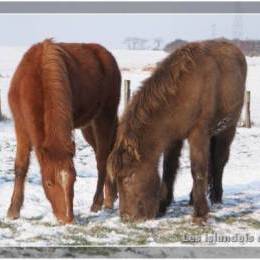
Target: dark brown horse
[[196, 93], [58, 87]]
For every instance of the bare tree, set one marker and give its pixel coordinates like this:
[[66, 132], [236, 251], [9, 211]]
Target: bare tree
[[157, 43], [135, 43], [128, 42], [142, 44]]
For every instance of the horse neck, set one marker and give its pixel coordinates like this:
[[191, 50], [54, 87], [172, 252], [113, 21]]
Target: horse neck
[[150, 116], [152, 138]]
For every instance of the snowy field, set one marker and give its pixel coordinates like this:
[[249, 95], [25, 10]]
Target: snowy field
[[238, 218]]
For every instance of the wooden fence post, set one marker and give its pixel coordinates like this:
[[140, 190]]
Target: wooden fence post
[[127, 91], [247, 112]]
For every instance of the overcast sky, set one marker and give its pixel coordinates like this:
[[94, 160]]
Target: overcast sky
[[111, 29]]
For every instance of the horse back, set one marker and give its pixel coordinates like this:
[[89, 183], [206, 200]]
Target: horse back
[[222, 69], [202, 83], [214, 87], [94, 79]]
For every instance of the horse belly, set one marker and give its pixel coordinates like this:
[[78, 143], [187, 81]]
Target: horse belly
[[226, 115], [228, 112], [223, 124], [85, 109]]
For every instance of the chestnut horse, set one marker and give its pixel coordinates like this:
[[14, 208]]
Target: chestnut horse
[[56, 88], [196, 93]]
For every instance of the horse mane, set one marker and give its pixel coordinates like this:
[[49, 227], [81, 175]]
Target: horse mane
[[154, 93], [58, 117]]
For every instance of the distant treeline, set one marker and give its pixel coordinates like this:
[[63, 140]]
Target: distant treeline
[[249, 47]]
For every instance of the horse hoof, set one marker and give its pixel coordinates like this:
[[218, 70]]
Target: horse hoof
[[13, 214], [160, 214], [108, 205], [215, 201], [162, 210], [164, 204], [200, 221], [95, 208], [66, 222]]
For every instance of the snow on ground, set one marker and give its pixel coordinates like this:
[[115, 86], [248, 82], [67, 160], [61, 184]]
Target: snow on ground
[[238, 217], [138, 60]]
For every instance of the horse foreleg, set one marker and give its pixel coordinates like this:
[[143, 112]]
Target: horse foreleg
[[209, 170], [21, 167], [88, 134], [199, 153], [170, 167]]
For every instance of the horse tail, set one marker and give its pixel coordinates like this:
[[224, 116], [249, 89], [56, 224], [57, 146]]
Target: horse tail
[[58, 117]]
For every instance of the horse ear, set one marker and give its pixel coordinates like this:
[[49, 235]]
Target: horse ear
[[125, 153], [132, 147]]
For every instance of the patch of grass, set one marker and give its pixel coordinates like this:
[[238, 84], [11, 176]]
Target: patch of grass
[[7, 225], [252, 223], [37, 239], [169, 231], [136, 238], [45, 224], [79, 240], [178, 234], [133, 241], [226, 219], [78, 235], [100, 231], [4, 225], [234, 217]]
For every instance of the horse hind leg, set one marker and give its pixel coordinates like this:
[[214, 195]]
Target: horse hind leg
[[88, 135], [21, 167], [220, 149], [104, 130], [170, 167]]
